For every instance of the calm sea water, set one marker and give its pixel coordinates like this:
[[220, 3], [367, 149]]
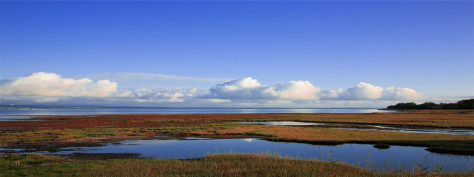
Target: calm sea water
[[8, 114]]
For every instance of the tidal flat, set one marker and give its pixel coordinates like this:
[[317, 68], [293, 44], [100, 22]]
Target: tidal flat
[[71, 138]]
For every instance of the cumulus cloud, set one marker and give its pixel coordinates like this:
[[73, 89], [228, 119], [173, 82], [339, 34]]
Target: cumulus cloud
[[149, 95], [363, 91], [366, 91], [298, 90], [235, 89], [331, 94], [51, 84], [52, 88], [392, 93], [249, 88]]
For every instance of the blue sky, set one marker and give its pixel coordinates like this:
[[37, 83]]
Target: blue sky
[[173, 47]]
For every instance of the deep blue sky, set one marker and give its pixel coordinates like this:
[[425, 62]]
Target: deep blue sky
[[427, 46]]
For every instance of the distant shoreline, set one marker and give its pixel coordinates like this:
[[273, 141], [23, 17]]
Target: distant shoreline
[[133, 107]]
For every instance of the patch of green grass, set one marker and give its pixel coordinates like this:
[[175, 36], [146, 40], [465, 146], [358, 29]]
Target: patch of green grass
[[254, 133], [28, 159]]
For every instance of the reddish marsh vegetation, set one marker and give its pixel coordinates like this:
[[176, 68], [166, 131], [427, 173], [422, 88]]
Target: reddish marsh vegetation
[[147, 120], [89, 121]]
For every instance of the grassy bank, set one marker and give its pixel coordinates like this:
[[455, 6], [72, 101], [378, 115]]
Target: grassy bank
[[212, 165]]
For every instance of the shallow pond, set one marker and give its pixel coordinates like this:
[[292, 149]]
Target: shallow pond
[[357, 154], [372, 127]]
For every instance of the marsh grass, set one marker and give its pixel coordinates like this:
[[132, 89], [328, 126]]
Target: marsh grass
[[231, 164]]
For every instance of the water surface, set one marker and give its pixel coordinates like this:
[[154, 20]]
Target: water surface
[[364, 155]]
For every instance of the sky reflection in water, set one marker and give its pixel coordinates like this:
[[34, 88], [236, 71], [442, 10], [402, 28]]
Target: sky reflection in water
[[356, 154]]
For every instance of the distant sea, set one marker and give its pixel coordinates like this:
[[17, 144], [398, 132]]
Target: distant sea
[[26, 113]]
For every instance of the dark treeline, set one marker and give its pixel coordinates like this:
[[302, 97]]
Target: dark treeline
[[463, 104]]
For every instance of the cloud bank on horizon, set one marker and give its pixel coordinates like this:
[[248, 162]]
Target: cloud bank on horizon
[[44, 87]]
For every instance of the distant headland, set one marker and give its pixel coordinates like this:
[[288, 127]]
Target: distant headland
[[462, 104]]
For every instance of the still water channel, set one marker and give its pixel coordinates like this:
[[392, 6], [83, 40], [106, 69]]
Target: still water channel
[[364, 155]]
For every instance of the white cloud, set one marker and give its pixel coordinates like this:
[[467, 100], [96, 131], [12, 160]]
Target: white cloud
[[331, 94], [236, 89], [392, 93], [296, 90], [219, 100], [366, 91], [137, 93], [363, 91], [149, 95], [246, 92], [249, 88], [50, 84]]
